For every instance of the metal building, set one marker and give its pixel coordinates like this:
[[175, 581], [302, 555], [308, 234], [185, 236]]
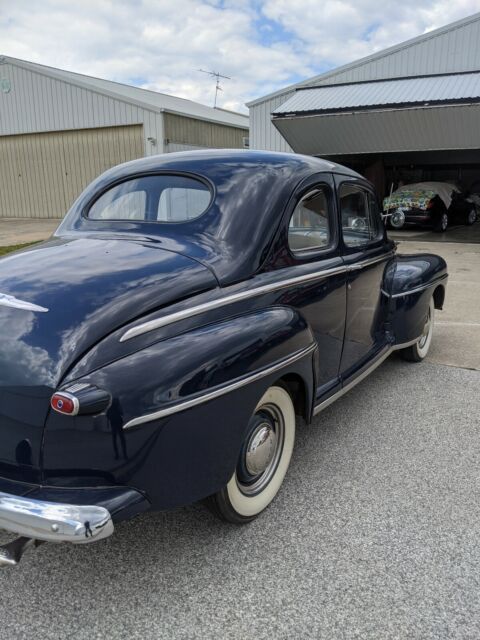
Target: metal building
[[414, 107], [59, 130]]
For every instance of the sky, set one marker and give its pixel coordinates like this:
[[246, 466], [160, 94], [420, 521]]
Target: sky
[[262, 46]]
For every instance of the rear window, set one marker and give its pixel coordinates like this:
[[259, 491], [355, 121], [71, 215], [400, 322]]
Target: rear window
[[160, 198]]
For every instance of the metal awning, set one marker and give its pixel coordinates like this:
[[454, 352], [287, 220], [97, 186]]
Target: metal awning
[[408, 114]]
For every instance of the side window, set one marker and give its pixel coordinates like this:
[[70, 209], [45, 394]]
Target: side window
[[309, 226], [359, 220]]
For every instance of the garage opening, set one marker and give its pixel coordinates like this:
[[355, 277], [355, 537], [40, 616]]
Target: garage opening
[[458, 169]]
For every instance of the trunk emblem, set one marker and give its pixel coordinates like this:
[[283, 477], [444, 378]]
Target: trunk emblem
[[15, 303]]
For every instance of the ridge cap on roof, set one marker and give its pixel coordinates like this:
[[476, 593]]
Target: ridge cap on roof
[[371, 57]]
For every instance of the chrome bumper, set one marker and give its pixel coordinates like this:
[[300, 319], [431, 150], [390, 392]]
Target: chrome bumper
[[54, 521]]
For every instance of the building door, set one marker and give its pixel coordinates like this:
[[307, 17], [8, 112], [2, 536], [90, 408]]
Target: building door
[[43, 173]]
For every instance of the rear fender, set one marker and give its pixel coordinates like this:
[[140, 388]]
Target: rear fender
[[409, 283], [187, 454]]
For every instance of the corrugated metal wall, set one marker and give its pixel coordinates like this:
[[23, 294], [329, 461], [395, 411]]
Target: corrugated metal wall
[[263, 135], [198, 133], [387, 131], [37, 102], [448, 52], [454, 50], [43, 173]]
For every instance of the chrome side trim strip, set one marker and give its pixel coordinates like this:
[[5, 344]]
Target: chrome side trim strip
[[366, 263], [15, 303], [151, 325], [220, 391], [416, 289], [170, 318], [54, 521], [323, 405]]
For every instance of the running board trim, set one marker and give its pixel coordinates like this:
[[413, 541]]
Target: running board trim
[[323, 405]]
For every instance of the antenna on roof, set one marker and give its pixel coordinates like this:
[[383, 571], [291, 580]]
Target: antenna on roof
[[217, 75]]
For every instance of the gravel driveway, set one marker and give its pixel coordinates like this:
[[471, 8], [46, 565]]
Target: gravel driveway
[[375, 535]]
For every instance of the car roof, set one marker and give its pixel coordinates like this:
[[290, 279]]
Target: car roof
[[251, 191], [195, 159]]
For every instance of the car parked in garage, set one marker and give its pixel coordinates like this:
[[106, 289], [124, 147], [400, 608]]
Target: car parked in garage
[[156, 350], [431, 204]]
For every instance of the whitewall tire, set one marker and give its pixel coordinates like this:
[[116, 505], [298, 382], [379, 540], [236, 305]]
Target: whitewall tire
[[418, 351], [263, 460]]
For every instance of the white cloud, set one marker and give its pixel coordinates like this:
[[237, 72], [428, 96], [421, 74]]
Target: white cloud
[[263, 46]]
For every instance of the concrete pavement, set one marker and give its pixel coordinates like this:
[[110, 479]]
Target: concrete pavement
[[374, 536], [457, 327], [21, 230]]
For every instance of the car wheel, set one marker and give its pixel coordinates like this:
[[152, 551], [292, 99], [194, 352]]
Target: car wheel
[[263, 461], [441, 223], [418, 351], [397, 221], [471, 217]]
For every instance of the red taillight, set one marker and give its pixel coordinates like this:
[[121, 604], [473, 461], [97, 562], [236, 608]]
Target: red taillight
[[430, 204], [64, 403]]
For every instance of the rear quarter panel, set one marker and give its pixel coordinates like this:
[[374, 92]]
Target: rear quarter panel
[[190, 454], [409, 283]]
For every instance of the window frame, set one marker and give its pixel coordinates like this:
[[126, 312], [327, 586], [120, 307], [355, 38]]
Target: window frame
[[312, 252], [369, 193], [148, 174]]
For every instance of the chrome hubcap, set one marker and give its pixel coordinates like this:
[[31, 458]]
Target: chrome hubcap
[[261, 451]]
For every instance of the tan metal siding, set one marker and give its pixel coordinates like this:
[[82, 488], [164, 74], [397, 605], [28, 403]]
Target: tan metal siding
[[43, 173], [190, 131]]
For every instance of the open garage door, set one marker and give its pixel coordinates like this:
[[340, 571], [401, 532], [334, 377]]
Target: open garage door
[[42, 173]]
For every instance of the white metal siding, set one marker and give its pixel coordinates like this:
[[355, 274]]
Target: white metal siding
[[263, 134], [452, 50], [43, 173], [448, 52], [37, 103]]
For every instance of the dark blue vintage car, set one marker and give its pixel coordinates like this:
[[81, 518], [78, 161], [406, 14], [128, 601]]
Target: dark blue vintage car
[[156, 350]]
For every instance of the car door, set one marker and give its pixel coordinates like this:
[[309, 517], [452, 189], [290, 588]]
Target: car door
[[310, 245], [366, 252]]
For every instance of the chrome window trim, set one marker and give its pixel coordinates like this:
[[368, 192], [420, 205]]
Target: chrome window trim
[[221, 390], [170, 318], [327, 191]]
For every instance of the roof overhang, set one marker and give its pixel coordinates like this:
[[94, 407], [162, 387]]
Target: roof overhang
[[403, 114], [383, 130]]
